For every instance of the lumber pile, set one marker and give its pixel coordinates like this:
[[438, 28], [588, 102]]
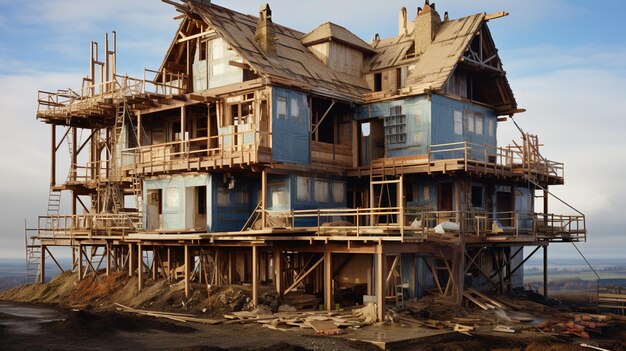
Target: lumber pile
[[581, 325], [324, 323], [300, 300], [178, 317]]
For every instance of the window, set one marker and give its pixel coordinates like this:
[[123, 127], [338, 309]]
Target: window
[[491, 126], [172, 198], [223, 196], [395, 126], [217, 49], [339, 190], [469, 123], [458, 122], [477, 196], [202, 50], [478, 120], [303, 191], [281, 108], [321, 190], [426, 193], [295, 109], [378, 82]]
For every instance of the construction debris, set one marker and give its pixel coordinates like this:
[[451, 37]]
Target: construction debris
[[179, 317]]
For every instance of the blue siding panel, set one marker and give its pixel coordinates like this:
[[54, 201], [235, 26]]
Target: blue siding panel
[[290, 134]]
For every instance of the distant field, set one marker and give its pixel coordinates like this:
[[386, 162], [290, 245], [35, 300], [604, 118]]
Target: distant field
[[534, 277]]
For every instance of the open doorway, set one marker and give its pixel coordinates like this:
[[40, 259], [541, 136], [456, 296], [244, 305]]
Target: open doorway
[[153, 209]]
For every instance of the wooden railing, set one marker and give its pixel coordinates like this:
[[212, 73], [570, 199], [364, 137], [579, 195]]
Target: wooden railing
[[68, 101], [351, 222], [234, 148], [64, 226], [497, 160], [396, 221], [561, 227]]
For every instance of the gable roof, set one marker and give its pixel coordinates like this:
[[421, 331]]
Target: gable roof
[[333, 32], [435, 65], [293, 63]]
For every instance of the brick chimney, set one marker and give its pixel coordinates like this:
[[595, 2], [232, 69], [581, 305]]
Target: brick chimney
[[265, 34], [427, 24]]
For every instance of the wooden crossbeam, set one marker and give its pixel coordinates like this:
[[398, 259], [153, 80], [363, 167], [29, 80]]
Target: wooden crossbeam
[[302, 276]]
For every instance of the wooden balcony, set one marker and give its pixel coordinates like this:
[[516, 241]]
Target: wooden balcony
[[222, 151], [510, 161], [87, 225], [94, 104], [405, 225]]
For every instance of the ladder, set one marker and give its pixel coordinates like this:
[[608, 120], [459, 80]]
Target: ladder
[[52, 213], [118, 129], [33, 259], [136, 187]]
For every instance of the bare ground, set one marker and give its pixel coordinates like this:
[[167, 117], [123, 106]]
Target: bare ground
[[97, 325]]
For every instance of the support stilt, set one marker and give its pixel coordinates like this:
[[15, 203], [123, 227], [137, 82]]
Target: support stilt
[[328, 280], [139, 267], [545, 271], [255, 275], [380, 283], [187, 260]]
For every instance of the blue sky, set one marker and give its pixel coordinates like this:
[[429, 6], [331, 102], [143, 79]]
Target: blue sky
[[565, 61]]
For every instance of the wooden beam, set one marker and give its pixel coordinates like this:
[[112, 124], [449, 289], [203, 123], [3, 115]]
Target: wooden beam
[[255, 276], [495, 15], [54, 259], [130, 260], [80, 261], [53, 152], [139, 267], [187, 260], [323, 117], [42, 273], [328, 280], [278, 267], [263, 198], [191, 37], [380, 284], [304, 275]]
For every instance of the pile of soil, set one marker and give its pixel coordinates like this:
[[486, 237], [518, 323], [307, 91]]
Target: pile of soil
[[99, 292]]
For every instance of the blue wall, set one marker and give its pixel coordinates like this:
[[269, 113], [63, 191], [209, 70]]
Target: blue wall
[[284, 195], [231, 208], [227, 209], [444, 130], [417, 114], [290, 132]]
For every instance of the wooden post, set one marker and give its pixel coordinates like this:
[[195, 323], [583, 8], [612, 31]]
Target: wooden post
[[139, 128], [107, 250], [130, 260], [230, 266], [328, 280], [278, 268], [545, 271], [139, 268], [255, 276], [43, 265], [380, 283], [154, 263], [263, 198], [187, 259], [53, 152], [80, 261]]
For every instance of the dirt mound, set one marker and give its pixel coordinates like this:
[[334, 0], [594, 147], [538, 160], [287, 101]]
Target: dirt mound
[[87, 323], [278, 347]]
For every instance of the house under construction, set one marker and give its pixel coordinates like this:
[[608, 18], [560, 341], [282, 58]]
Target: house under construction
[[306, 161]]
